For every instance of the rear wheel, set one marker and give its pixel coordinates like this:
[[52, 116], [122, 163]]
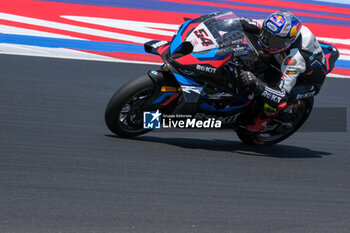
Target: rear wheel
[[286, 124]]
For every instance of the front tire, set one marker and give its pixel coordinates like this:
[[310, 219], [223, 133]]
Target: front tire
[[124, 112]]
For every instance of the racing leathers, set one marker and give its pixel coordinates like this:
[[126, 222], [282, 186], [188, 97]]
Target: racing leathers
[[303, 63]]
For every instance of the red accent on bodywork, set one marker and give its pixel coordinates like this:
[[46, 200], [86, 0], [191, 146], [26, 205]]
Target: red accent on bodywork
[[259, 25], [191, 60], [310, 73], [171, 98], [258, 123], [249, 102], [162, 49], [282, 106], [327, 60]]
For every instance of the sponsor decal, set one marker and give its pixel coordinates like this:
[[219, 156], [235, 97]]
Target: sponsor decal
[[271, 96], [159, 44], [206, 69], [189, 89], [224, 119], [305, 95], [240, 50], [291, 72], [153, 73], [290, 61], [278, 20], [271, 27]]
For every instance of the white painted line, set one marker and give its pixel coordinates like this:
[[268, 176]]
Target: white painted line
[[346, 2], [144, 27], [72, 28], [335, 40], [26, 50], [344, 51], [338, 76], [344, 57], [29, 32]]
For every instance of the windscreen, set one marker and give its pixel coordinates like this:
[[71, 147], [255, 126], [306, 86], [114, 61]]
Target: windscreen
[[219, 31]]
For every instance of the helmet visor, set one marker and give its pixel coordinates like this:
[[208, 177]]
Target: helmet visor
[[273, 42]]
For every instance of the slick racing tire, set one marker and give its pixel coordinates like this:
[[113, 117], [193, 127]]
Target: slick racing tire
[[124, 112], [273, 137]]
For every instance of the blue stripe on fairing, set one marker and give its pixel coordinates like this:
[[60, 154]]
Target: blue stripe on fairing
[[208, 55], [163, 96], [177, 41], [208, 107], [47, 42], [185, 81], [198, 9]]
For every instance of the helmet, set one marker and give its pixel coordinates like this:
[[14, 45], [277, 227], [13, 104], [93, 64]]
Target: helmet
[[279, 31]]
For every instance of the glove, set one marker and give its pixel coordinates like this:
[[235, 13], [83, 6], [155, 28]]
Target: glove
[[250, 26], [252, 84], [248, 80]]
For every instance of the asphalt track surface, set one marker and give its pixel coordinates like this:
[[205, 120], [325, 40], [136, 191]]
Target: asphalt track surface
[[61, 170]]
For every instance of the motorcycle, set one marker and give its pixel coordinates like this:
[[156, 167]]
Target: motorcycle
[[200, 77]]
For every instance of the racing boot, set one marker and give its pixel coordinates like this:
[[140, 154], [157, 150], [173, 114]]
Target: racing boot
[[264, 117]]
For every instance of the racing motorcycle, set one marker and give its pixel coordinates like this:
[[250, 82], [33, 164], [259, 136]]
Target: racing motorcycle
[[200, 76]]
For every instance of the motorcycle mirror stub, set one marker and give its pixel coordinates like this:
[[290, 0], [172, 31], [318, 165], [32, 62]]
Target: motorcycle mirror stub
[[153, 46], [184, 49]]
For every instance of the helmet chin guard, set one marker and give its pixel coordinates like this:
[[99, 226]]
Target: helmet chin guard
[[279, 31]]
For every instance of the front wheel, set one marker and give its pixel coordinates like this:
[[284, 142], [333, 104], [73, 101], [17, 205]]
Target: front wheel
[[124, 112], [286, 124]]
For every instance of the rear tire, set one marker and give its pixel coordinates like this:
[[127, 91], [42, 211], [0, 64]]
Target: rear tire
[[132, 96], [254, 139]]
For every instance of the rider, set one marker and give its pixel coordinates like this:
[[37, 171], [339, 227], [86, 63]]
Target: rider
[[295, 51]]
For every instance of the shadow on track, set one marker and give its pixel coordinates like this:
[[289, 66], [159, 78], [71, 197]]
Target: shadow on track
[[276, 151]]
